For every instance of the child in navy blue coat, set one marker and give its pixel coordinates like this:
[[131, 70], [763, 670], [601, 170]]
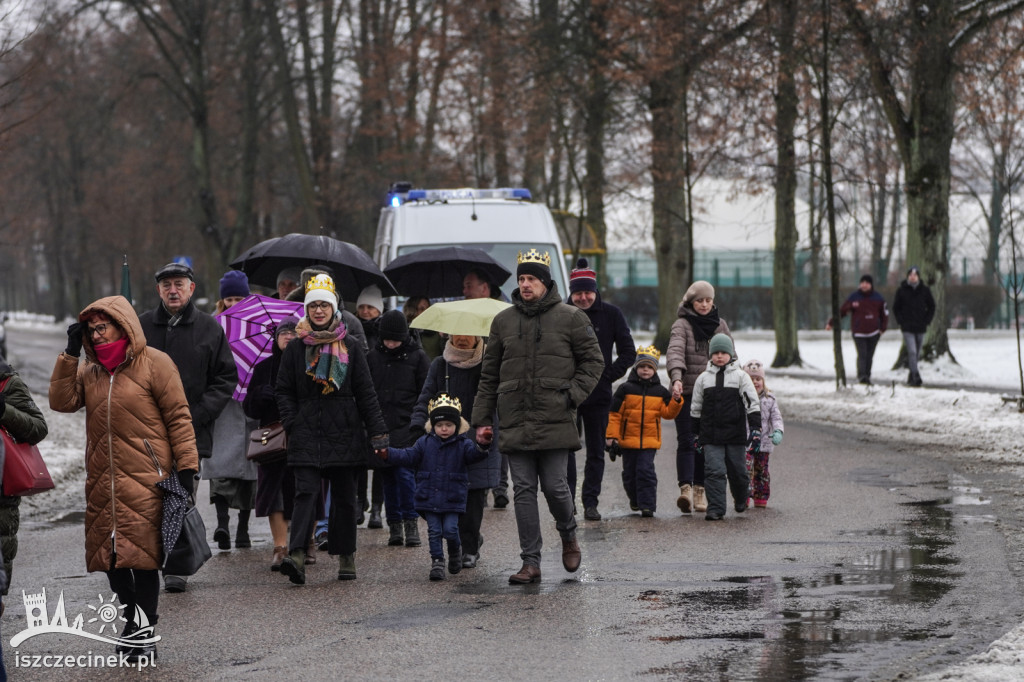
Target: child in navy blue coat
[[442, 482]]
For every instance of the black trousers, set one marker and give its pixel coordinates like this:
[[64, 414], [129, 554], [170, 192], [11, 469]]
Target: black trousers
[[865, 355], [341, 517], [133, 587], [469, 522], [594, 421]]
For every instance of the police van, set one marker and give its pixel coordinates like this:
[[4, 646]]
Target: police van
[[500, 222]]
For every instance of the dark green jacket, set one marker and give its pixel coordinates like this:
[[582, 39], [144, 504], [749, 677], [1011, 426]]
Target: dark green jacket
[[22, 418], [542, 361]]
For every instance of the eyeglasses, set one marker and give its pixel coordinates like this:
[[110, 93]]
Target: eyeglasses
[[100, 329], [319, 305]]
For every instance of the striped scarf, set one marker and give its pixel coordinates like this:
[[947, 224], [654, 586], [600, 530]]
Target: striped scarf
[[326, 354]]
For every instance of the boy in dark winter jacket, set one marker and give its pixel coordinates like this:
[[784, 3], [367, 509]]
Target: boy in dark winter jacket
[[399, 367], [442, 482], [723, 406], [639, 405]]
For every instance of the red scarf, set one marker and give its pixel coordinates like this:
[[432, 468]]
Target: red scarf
[[112, 354]]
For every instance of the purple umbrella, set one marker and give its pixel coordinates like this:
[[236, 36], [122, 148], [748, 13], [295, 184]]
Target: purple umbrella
[[249, 326]]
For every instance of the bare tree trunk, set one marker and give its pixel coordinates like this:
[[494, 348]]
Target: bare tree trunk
[[786, 234], [830, 206]]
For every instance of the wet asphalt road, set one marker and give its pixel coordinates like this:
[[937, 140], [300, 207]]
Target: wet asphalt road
[[871, 562]]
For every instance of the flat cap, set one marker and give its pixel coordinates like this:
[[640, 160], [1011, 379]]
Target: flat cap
[[175, 270]]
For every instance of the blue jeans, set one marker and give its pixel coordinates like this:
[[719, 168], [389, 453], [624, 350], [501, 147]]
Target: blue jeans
[[913, 342], [399, 491], [321, 524], [445, 526]]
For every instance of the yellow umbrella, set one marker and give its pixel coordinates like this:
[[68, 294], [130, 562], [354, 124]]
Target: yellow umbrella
[[469, 317]]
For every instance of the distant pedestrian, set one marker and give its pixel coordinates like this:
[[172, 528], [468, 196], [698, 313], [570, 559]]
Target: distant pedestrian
[[639, 405], [616, 342], [369, 308], [196, 344], [724, 405], [399, 368], [541, 362], [231, 475], [772, 429], [24, 421], [687, 356], [328, 407], [440, 459], [288, 280], [457, 373], [869, 318], [430, 341], [914, 309], [138, 431]]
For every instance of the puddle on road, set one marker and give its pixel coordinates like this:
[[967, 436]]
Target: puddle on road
[[769, 627]]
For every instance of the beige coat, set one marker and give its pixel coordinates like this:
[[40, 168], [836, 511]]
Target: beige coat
[[142, 402]]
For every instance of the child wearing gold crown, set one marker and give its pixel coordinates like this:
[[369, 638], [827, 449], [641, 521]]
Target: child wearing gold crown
[[442, 483], [639, 405]]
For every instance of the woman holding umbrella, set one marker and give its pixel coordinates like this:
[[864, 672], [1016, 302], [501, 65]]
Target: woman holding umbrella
[[327, 401], [138, 427]]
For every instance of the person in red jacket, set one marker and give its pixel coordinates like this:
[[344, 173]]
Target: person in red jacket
[[869, 318]]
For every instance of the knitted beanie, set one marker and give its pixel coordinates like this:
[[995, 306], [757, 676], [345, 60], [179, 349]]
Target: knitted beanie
[[534, 263], [721, 343], [755, 369], [371, 296], [234, 283], [699, 289], [321, 288], [393, 327], [444, 408], [582, 278]]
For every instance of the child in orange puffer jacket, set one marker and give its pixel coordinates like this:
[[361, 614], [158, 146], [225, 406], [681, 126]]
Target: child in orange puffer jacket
[[634, 423]]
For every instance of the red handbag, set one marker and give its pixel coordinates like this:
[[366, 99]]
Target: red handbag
[[24, 470]]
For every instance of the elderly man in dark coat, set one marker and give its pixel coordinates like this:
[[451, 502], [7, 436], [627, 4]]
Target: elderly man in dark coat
[[196, 343], [541, 362], [614, 338]]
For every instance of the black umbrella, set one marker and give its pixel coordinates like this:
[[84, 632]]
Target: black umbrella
[[438, 273], [353, 269]]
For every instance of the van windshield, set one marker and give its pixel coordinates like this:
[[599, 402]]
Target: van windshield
[[506, 253]]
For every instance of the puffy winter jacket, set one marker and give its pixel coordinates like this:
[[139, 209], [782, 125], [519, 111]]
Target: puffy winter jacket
[[327, 429], [686, 356], [724, 405], [142, 402], [198, 347], [442, 482], [913, 307], [542, 361], [612, 335], [638, 407], [868, 313], [460, 382], [771, 419], [398, 376]]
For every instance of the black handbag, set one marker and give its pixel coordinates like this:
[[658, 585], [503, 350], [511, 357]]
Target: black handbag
[[191, 550]]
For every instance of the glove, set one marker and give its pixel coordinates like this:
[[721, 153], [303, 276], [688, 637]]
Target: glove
[[754, 444], [776, 437], [416, 430], [188, 480], [613, 448], [75, 333], [380, 443], [383, 454], [484, 435], [697, 447]]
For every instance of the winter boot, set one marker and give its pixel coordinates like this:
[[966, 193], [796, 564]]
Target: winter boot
[[294, 566], [412, 533], [685, 500], [396, 538], [242, 532], [454, 558], [222, 536], [700, 501], [375, 520], [437, 569], [346, 567]]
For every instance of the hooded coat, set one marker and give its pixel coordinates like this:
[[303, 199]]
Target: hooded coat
[[541, 362], [687, 354], [612, 334], [142, 402], [199, 349]]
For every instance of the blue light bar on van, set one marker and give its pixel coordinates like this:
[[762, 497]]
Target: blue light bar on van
[[464, 193]]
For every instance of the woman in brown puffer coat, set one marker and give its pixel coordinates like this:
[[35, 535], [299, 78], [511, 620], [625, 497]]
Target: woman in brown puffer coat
[[134, 401]]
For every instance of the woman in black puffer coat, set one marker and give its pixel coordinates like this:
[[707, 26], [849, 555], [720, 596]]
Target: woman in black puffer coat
[[327, 401], [457, 373]]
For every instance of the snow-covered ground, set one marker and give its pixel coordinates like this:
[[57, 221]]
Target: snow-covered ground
[[960, 407]]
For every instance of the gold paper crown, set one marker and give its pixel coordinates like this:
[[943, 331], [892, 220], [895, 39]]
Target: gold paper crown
[[444, 400], [321, 281], [648, 351], [534, 256]]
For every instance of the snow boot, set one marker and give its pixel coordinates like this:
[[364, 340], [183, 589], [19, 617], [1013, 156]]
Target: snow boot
[[412, 533], [375, 520], [242, 540], [684, 502], [396, 538], [700, 501], [346, 567], [454, 558], [437, 569], [222, 536]]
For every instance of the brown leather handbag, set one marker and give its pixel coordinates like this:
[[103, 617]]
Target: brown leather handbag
[[267, 444]]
